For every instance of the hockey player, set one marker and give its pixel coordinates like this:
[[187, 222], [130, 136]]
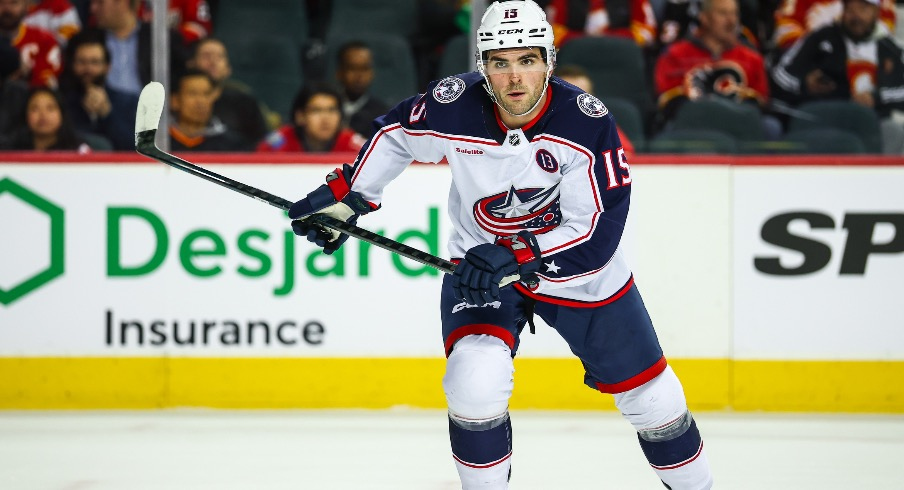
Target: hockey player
[[540, 189]]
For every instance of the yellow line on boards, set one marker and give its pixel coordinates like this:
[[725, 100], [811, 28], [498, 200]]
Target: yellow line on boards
[[540, 383]]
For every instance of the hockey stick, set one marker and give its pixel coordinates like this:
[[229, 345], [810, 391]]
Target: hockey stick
[[150, 108]]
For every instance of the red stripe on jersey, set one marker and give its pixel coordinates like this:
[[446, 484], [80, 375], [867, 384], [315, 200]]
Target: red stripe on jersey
[[479, 329], [575, 303], [448, 137], [634, 381], [373, 144]]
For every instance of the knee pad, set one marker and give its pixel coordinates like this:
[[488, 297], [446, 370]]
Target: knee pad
[[479, 378], [657, 409]]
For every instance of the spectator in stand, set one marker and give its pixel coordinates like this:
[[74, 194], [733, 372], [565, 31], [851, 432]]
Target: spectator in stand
[[44, 126], [355, 72], [795, 18], [316, 127], [38, 49], [190, 17], [679, 20], [95, 107], [235, 105], [853, 59], [58, 17], [633, 19], [578, 77], [194, 127], [12, 90], [712, 63], [129, 41]]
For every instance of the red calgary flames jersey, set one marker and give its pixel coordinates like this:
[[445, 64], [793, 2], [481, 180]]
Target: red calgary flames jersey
[[40, 55], [690, 70]]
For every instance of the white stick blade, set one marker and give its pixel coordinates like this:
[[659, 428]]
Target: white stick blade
[[150, 107]]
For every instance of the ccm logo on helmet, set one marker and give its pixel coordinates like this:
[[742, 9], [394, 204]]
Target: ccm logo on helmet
[[510, 31]]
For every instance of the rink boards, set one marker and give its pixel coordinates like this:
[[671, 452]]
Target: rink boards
[[774, 284]]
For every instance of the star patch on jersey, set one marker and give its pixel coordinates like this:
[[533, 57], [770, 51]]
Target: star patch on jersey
[[448, 89], [592, 106], [506, 213]]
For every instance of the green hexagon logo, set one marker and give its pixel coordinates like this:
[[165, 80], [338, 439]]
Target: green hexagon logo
[[57, 242]]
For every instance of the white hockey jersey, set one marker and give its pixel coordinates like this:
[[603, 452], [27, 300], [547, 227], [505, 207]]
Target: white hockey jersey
[[564, 177]]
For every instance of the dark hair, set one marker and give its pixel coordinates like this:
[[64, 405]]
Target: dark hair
[[87, 36], [308, 92], [349, 46], [190, 73], [205, 40], [68, 81], [67, 139], [571, 71]]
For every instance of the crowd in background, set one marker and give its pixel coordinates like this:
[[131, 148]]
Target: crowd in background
[[71, 70]]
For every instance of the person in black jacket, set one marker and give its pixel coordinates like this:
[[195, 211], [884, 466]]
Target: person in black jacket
[[852, 59], [93, 106], [236, 106]]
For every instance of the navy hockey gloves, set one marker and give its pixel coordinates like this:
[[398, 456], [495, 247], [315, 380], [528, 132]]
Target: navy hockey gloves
[[477, 276], [334, 199]]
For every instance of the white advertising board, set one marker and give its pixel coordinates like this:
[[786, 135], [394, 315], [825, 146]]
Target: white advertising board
[[151, 261], [818, 263]]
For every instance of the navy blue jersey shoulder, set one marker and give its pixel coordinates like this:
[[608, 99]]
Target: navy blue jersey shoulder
[[458, 105], [577, 117]]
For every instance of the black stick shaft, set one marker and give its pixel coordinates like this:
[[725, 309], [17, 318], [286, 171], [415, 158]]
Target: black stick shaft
[[146, 145]]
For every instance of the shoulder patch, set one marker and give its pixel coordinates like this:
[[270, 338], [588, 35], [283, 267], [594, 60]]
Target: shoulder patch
[[449, 89], [592, 106]]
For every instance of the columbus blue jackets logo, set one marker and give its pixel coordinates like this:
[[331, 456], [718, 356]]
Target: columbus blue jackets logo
[[592, 106], [506, 213], [449, 89]]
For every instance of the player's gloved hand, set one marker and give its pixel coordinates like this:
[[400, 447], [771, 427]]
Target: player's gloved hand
[[477, 276], [334, 199]]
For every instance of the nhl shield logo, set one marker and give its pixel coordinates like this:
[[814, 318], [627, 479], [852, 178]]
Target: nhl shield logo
[[514, 139], [592, 106], [448, 89]]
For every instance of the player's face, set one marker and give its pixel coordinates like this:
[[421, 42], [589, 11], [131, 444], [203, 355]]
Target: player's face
[[43, 114], [517, 77], [356, 72], [211, 57], [194, 101], [320, 118], [858, 19], [89, 64], [721, 21], [11, 13]]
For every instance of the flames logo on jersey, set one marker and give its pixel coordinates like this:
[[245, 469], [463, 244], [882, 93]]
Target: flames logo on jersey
[[448, 89], [724, 78], [536, 210], [592, 106]]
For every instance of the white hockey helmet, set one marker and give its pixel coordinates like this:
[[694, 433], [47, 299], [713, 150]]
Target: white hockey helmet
[[515, 24]]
